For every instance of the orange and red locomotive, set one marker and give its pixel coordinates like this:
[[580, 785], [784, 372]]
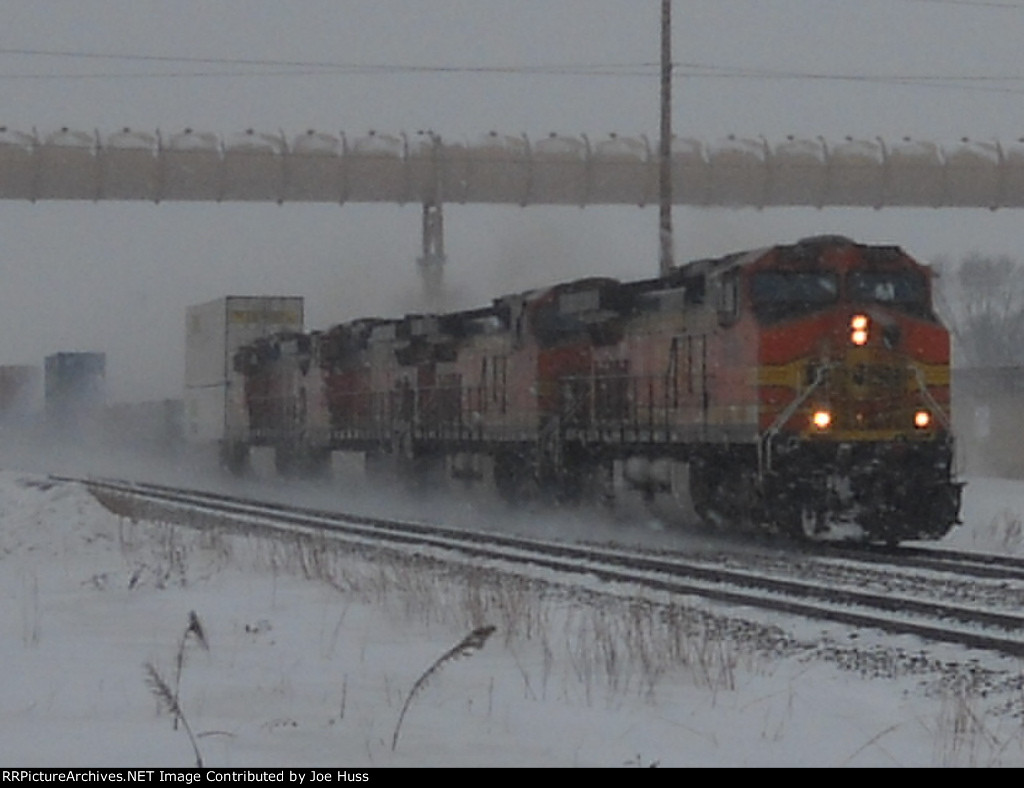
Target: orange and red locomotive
[[800, 389]]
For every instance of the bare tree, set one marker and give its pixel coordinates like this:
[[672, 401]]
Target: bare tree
[[981, 299]]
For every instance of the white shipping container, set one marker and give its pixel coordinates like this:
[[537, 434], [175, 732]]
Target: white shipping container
[[214, 331]]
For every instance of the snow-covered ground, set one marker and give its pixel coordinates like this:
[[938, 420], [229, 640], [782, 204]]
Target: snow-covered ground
[[308, 658]]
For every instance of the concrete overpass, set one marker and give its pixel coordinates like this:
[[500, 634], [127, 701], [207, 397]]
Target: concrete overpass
[[506, 169], [496, 168]]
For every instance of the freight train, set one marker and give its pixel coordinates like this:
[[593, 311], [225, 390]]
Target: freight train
[[800, 389]]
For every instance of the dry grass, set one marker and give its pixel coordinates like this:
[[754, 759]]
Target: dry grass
[[564, 643], [1004, 532], [167, 699], [469, 645], [1009, 530], [623, 646], [31, 611], [194, 631], [968, 734]]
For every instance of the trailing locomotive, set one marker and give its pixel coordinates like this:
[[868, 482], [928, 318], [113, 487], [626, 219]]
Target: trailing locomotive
[[800, 389]]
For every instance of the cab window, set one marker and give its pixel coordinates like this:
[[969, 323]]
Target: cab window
[[728, 298], [778, 294], [899, 288]]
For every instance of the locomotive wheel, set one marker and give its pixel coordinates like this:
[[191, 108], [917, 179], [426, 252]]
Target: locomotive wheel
[[234, 457], [812, 523], [318, 463], [605, 491], [702, 487], [422, 474], [379, 468], [287, 461], [515, 480], [723, 495], [569, 488]]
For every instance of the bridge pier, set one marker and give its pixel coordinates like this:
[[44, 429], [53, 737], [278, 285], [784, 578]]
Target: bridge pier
[[431, 261]]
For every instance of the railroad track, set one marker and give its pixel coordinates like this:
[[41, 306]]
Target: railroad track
[[915, 604], [963, 563]]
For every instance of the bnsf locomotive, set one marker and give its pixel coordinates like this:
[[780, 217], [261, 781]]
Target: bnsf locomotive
[[799, 389]]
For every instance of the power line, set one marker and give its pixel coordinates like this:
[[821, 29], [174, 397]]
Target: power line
[[336, 67], [692, 70], [979, 83], [1007, 6], [979, 3]]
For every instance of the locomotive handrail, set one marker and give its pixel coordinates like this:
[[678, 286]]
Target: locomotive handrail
[[932, 402], [764, 447]]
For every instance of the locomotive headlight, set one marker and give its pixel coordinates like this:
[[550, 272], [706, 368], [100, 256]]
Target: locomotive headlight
[[859, 330], [922, 419], [822, 419]]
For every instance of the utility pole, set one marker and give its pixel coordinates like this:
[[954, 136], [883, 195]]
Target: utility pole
[[432, 260], [665, 148]]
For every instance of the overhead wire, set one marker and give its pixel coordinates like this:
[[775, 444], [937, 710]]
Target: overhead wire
[[252, 68]]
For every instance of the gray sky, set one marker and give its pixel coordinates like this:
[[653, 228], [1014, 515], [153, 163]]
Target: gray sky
[[118, 277]]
